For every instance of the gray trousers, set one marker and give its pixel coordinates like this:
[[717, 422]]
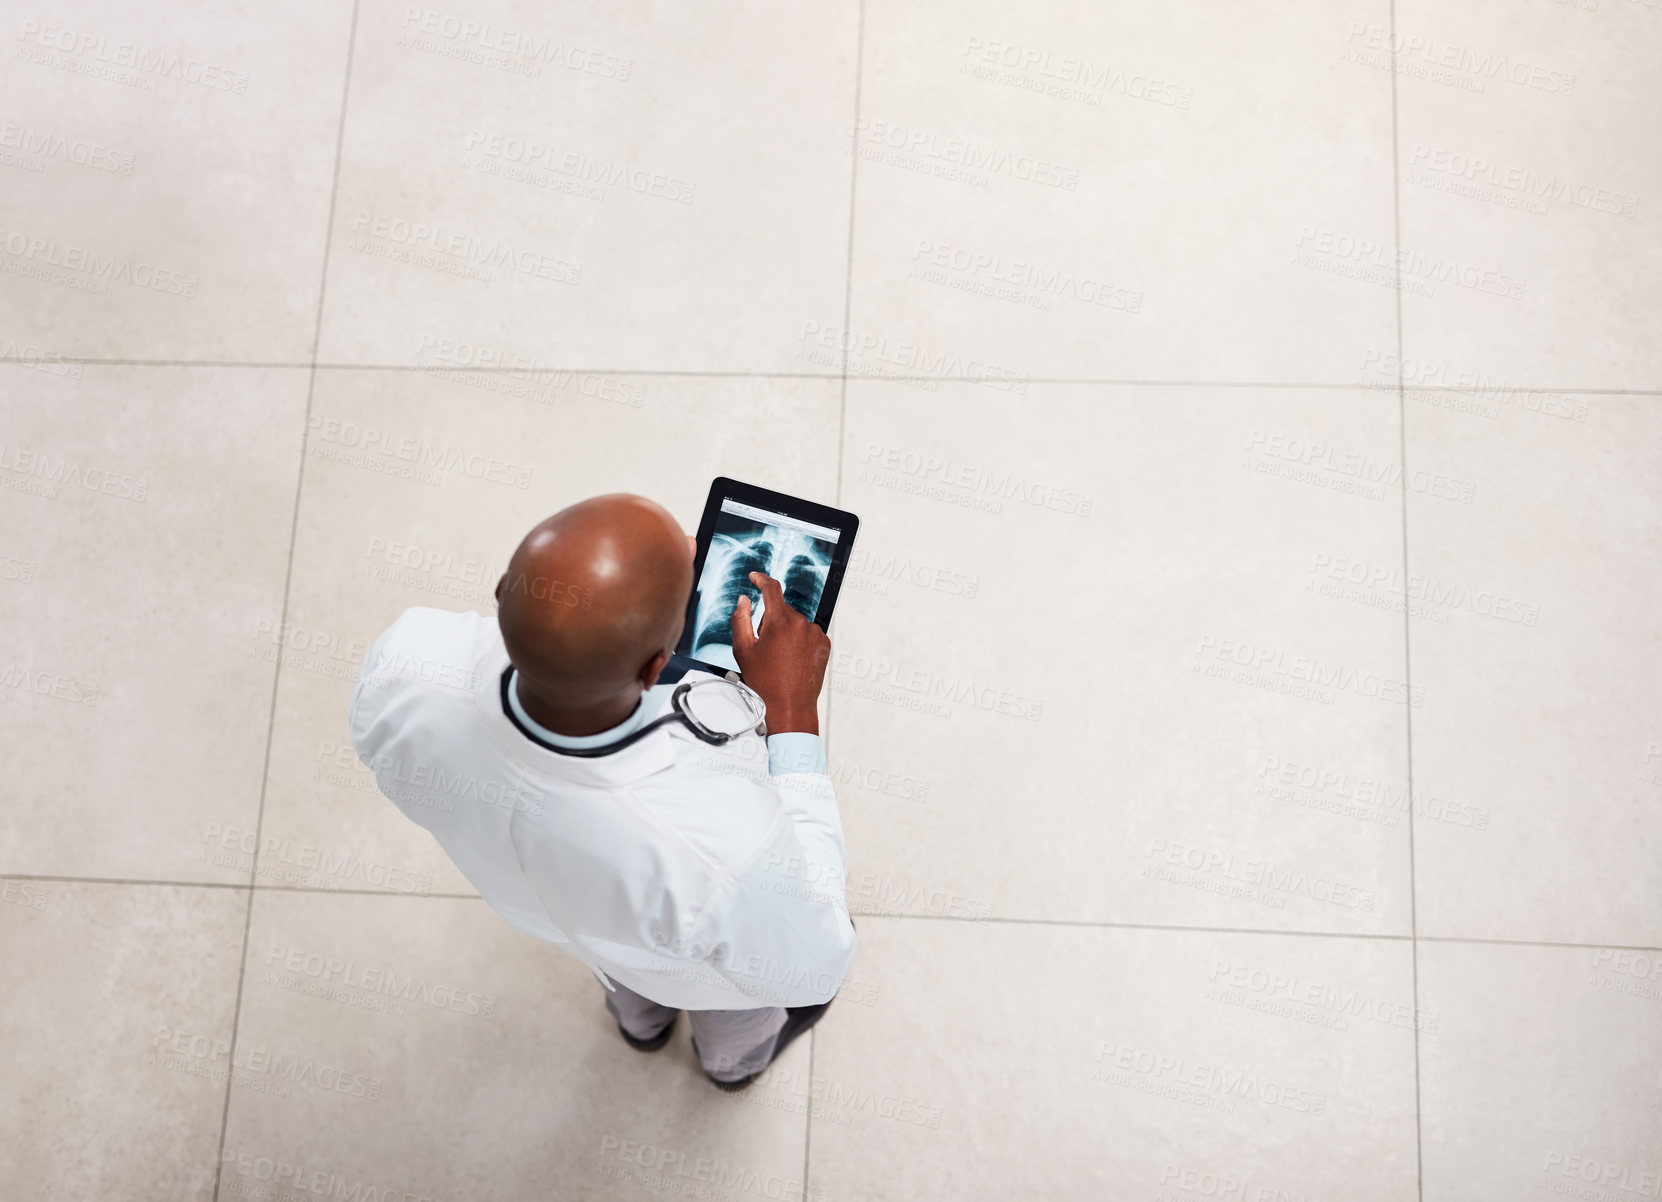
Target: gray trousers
[[731, 1043]]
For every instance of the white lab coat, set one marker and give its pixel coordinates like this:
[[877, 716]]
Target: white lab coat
[[681, 870]]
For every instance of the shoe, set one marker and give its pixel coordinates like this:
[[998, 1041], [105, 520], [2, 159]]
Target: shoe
[[649, 1045], [797, 1020]]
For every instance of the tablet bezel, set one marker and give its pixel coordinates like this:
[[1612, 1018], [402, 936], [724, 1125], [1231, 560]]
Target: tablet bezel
[[725, 488]]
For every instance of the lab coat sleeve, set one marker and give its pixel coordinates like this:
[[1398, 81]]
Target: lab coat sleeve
[[788, 937], [796, 752], [377, 702], [369, 697], [360, 713]]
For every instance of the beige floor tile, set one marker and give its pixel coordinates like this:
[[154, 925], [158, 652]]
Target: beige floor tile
[[1538, 754], [591, 187], [456, 1058], [994, 1061], [1158, 705], [166, 178], [379, 533], [1130, 677], [119, 1002], [1531, 193], [146, 517], [1116, 192], [1547, 1080]]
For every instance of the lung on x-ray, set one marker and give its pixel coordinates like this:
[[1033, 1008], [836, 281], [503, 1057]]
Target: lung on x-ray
[[740, 546]]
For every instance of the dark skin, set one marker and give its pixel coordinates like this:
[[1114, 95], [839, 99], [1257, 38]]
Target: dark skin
[[592, 605]]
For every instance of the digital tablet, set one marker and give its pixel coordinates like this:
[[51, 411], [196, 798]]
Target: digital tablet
[[745, 529]]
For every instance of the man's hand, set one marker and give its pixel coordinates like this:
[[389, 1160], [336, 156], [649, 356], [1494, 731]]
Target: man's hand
[[785, 664]]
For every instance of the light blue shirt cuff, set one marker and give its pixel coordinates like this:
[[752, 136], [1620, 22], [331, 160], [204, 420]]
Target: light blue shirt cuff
[[795, 751]]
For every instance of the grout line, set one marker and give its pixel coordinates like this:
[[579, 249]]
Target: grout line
[[434, 369], [1407, 631], [288, 585], [110, 880], [536, 372], [843, 377], [848, 305], [9, 362], [1094, 924], [808, 1118], [364, 892], [159, 884], [1011, 920], [842, 430]]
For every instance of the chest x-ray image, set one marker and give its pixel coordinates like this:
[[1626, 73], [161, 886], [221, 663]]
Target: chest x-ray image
[[746, 541]]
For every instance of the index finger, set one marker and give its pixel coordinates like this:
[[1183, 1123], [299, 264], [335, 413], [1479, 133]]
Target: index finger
[[773, 594], [744, 637]]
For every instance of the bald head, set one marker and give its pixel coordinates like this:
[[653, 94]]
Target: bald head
[[592, 597]]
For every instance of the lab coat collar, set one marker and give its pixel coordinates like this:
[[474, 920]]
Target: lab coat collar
[[567, 744], [652, 754]]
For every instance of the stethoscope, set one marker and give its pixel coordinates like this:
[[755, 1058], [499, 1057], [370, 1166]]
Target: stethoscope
[[715, 709]]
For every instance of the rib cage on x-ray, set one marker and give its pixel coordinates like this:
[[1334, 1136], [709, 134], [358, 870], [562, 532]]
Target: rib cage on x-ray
[[797, 560]]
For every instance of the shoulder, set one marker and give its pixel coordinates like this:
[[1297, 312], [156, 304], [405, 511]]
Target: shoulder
[[430, 635], [426, 651]]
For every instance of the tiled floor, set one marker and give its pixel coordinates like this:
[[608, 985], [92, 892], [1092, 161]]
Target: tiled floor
[[1170, 352]]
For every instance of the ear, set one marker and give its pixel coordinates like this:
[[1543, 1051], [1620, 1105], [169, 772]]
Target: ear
[[498, 594], [650, 670]]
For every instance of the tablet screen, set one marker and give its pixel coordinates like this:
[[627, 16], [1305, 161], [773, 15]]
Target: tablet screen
[[748, 539]]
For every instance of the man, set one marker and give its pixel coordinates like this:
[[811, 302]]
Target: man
[[689, 871]]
